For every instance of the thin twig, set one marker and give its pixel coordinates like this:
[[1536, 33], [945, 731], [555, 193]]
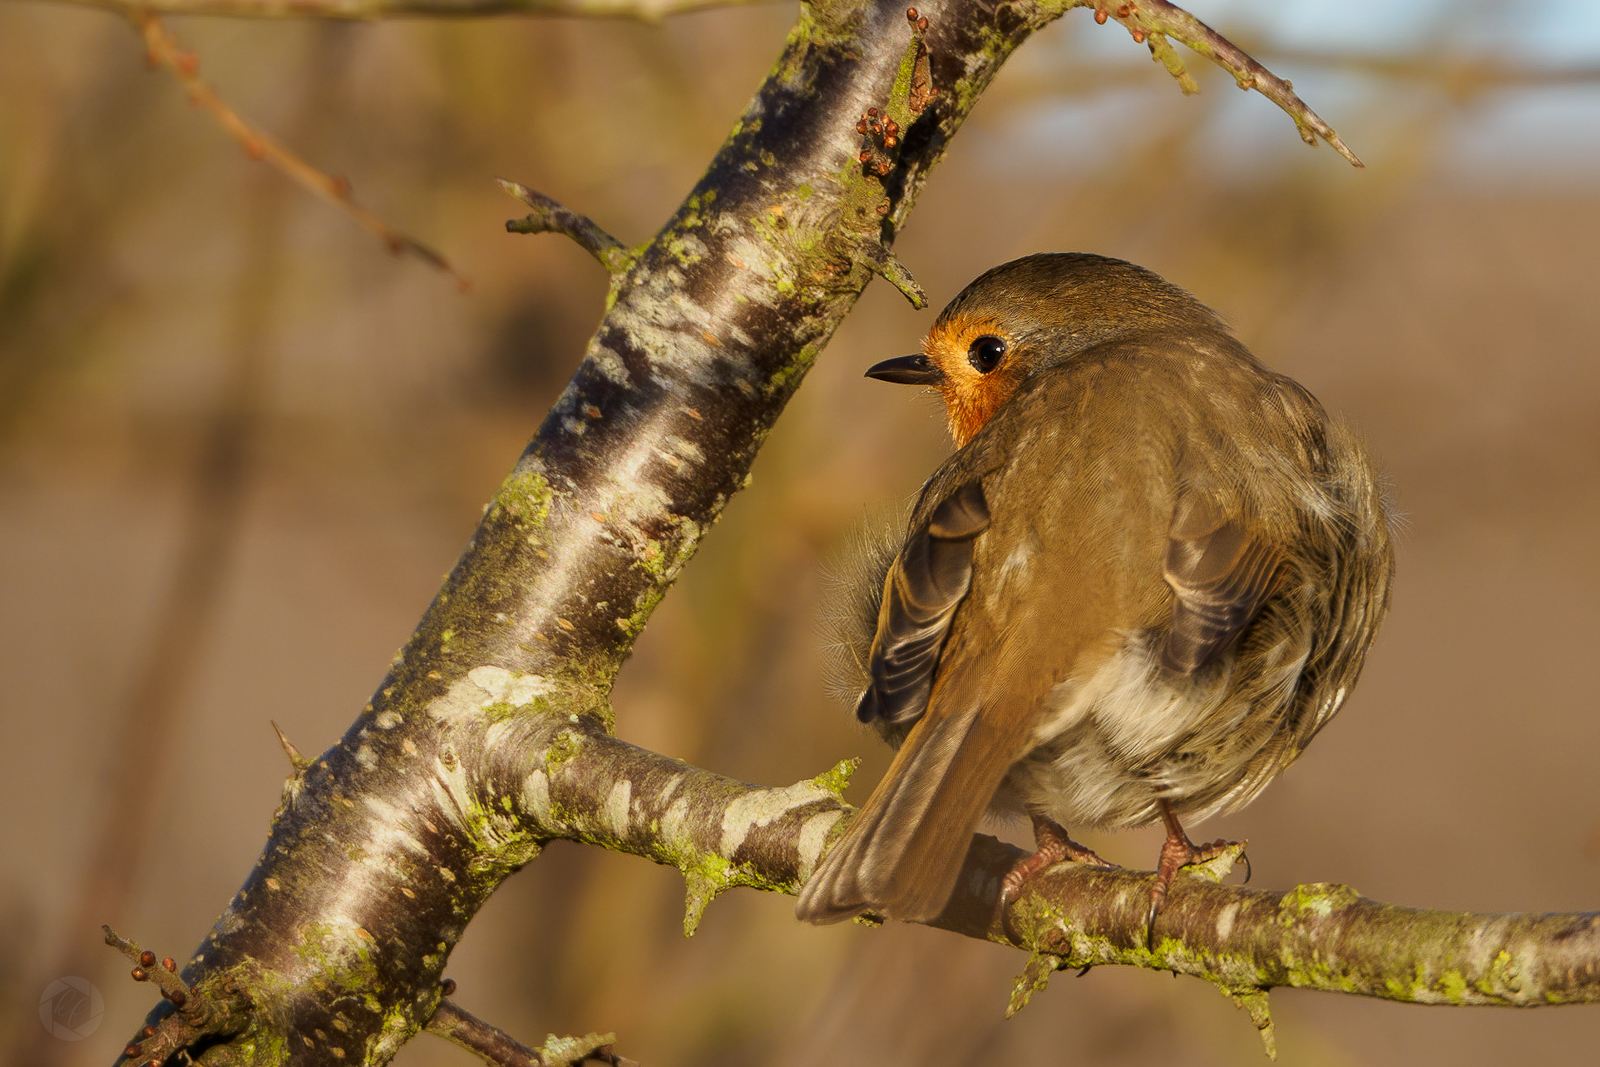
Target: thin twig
[[1154, 21], [498, 1048], [548, 216], [196, 1013], [164, 50]]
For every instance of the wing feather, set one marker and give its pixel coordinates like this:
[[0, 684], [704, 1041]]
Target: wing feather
[[1221, 576], [924, 586]]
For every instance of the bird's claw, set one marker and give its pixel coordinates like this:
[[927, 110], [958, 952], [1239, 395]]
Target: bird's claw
[[1177, 853]]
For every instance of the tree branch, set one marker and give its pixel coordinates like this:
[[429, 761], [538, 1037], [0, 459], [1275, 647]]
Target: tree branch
[[164, 50], [640, 10], [1153, 21], [548, 216], [720, 833], [499, 1049]]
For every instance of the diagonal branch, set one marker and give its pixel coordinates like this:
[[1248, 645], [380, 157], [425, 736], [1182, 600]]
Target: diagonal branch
[[164, 50]]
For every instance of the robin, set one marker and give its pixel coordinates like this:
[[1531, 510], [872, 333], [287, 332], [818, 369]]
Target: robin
[[1146, 578]]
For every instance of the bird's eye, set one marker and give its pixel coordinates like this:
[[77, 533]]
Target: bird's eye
[[985, 353]]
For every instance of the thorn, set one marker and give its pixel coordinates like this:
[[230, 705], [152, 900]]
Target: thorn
[[701, 891], [131, 1051], [297, 761], [1034, 977], [1255, 1002], [1100, 14], [138, 974], [883, 263], [147, 958], [170, 964], [837, 777]]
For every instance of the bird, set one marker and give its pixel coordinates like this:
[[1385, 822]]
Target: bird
[[1145, 579]]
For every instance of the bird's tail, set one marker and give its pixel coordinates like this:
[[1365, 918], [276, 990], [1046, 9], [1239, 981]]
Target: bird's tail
[[900, 856]]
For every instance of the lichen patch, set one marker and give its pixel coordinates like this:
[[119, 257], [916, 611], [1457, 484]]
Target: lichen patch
[[813, 833], [760, 808]]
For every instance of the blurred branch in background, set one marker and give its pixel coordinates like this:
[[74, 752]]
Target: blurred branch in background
[[641, 10], [164, 50], [1462, 78]]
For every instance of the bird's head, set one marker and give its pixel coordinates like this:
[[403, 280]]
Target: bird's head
[[1029, 315]]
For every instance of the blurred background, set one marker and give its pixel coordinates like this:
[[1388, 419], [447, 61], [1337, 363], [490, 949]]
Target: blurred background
[[240, 445]]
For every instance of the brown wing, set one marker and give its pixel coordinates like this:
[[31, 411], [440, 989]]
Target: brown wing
[[924, 586], [1220, 574]]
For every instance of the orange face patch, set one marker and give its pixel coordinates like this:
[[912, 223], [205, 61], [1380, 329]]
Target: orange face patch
[[971, 397]]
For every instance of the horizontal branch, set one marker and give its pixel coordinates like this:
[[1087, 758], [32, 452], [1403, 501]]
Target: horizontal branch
[[721, 833], [640, 10], [1463, 76]]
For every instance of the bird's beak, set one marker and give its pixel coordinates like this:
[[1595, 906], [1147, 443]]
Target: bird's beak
[[906, 370]]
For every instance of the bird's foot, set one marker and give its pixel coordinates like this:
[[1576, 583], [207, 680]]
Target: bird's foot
[[1177, 853], [1053, 847]]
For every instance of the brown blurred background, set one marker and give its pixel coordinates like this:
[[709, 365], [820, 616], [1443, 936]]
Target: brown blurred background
[[168, 308]]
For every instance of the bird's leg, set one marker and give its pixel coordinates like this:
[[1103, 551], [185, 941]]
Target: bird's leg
[[1177, 853], [1054, 846]]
